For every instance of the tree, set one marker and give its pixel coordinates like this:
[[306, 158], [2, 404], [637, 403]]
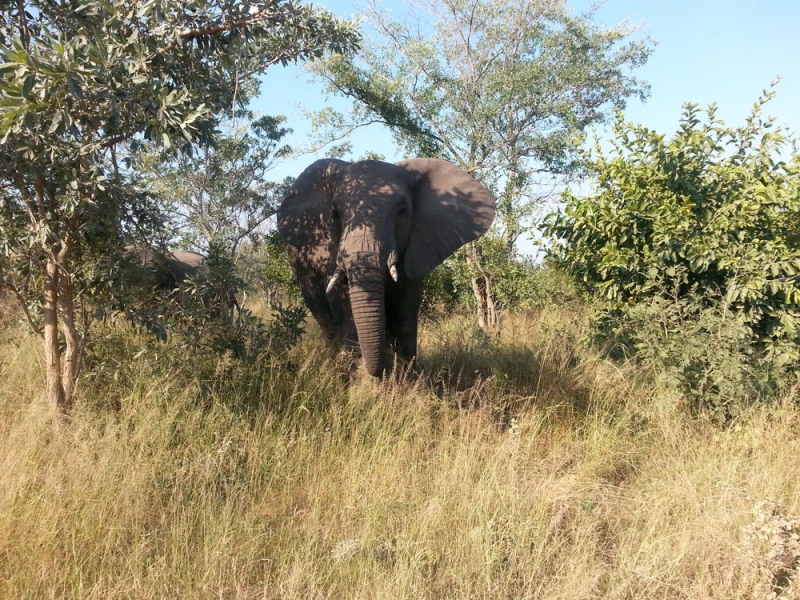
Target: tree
[[708, 220], [219, 195], [81, 81], [503, 88]]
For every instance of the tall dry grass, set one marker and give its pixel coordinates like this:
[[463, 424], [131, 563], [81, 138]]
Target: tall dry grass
[[517, 466]]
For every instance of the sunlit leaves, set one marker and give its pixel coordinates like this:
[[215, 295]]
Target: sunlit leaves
[[713, 212], [220, 194]]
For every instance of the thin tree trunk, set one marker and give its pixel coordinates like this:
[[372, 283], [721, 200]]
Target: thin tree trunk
[[487, 307], [61, 370], [480, 301], [492, 304], [72, 350], [56, 398]]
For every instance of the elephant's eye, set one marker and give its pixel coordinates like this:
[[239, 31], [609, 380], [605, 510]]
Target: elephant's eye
[[402, 211]]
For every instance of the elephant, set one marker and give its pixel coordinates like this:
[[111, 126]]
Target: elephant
[[362, 235], [167, 272]]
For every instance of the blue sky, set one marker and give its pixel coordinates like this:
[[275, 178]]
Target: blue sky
[[716, 51], [723, 51]]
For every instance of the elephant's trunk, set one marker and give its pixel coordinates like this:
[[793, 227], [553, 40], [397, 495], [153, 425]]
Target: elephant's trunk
[[369, 314], [364, 252]]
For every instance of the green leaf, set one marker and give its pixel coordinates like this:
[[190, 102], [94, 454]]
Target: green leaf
[[27, 87], [55, 122], [75, 87]]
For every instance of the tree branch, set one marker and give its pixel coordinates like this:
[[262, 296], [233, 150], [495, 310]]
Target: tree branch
[[8, 284], [256, 17]]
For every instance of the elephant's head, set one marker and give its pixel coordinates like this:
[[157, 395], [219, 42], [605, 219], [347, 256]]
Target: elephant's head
[[371, 222], [186, 263], [167, 269]]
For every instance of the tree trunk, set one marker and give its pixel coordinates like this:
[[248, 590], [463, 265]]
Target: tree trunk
[[72, 350], [487, 306], [63, 366], [56, 397], [58, 301]]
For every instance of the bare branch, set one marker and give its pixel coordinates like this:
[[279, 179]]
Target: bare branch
[[256, 17], [23, 305]]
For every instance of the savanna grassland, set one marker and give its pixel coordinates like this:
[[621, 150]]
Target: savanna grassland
[[517, 466]]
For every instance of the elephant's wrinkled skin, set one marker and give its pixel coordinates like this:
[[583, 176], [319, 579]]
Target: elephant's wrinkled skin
[[361, 237]]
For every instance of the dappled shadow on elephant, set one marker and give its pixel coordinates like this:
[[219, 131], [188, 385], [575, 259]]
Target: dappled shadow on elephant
[[361, 237]]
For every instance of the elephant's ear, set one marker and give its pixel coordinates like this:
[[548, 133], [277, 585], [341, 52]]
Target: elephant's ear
[[451, 208], [305, 217]]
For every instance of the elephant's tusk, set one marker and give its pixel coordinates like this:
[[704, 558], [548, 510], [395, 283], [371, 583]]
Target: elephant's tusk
[[332, 282], [393, 272]]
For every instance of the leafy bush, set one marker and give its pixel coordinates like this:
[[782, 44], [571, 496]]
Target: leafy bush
[[201, 312], [705, 353], [700, 233], [248, 336], [444, 289], [519, 282], [528, 284], [276, 272]]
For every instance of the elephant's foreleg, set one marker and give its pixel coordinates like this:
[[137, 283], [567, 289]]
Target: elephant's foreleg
[[404, 319], [312, 284]]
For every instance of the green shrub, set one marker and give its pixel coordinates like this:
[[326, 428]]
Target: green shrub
[[443, 290], [519, 282], [707, 354], [275, 274], [693, 245], [528, 284]]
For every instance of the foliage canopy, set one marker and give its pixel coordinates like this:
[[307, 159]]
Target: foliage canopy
[[220, 195], [82, 82]]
